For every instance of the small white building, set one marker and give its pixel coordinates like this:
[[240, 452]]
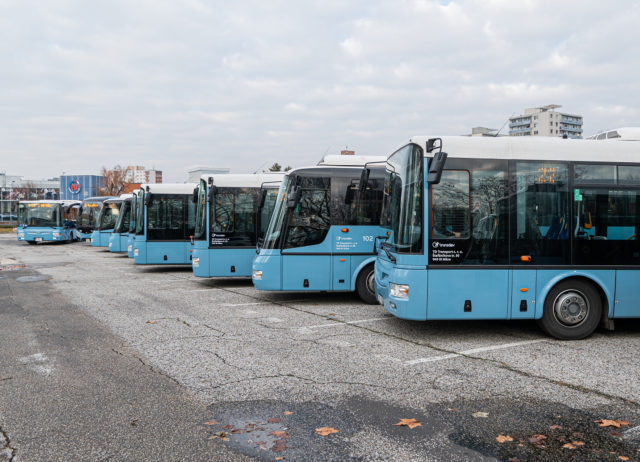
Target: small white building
[[195, 173]]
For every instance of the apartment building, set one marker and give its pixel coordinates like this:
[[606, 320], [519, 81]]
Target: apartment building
[[546, 121]]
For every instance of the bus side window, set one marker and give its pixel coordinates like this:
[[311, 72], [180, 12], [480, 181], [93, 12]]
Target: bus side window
[[450, 206]]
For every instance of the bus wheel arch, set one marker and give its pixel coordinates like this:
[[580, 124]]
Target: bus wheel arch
[[365, 283], [573, 308]]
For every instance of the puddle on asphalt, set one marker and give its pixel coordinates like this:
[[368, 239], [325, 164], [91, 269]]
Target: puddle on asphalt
[[32, 278], [464, 430]]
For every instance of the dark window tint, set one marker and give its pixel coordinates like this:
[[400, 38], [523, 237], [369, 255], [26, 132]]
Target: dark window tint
[[608, 223], [540, 219], [352, 204], [310, 219], [594, 174], [234, 218], [628, 175], [201, 215], [266, 210], [450, 206], [169, 217]]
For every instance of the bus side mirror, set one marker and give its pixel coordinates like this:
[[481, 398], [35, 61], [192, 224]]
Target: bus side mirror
[[147, 199], [436, 167], [292, 198], [212, 192]]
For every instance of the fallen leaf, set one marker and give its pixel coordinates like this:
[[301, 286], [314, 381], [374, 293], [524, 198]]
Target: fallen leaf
[[287, 412], [503, 439], [279, 458], [219, 435], [482, 415], [612, 423], [578, 443], [325, 431], [273, 420], [537, 439], [238, 430], [555, 427], [411, 423], [211, 422], [623, 458], [568, 446], [152, 322], [332, 314], [227, 427], [278, 446]]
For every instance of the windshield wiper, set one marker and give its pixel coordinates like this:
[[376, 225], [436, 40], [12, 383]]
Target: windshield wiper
[[385, 246]]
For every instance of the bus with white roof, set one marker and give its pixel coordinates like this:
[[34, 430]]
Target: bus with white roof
[[164, 224], [118, 239], [47, 221], [106, 222], [512, 228]]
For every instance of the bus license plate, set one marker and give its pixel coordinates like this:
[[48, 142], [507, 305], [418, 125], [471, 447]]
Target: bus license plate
[[38, 239]]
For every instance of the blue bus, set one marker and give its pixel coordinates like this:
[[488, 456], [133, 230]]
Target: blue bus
[[132, 223], [322, 232], [118, 240], [47, 221], [233, 211], [165, 224], [106, 222], [88, 216], [512, 228]]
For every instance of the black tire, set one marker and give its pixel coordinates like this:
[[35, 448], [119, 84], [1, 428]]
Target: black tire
[[31, 242], [365, 285], [572, 310]]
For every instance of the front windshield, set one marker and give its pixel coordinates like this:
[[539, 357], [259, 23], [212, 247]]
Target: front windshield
[[89, 216], [276, 223], [268, 205], [140, 212], [109, 215], [122, 224], [403, 201], [43, 215], [22, 214], [201, 215], [132, 214]]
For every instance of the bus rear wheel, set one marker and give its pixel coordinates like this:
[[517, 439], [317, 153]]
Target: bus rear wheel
[[572, 310], [365, 284]]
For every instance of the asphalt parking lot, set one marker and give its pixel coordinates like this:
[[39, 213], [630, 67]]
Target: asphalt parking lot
[[271, 368]]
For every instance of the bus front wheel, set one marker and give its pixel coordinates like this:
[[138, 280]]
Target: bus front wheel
[[572, 310], [365, 285], [31, 242]]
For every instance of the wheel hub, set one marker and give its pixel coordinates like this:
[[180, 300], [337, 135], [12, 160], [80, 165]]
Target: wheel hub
[[571, 308], [371, 277]]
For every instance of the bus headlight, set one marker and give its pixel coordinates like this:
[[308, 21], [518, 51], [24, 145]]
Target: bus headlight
[[57, 234], [195, 261], [130, 248], [257, 275], [398, 290]]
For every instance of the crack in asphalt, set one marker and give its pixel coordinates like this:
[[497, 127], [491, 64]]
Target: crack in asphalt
[[7, 445], [149, 366]]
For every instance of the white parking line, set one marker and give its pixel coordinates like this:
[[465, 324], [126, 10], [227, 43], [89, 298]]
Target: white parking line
[[339, 323], [471, 352]]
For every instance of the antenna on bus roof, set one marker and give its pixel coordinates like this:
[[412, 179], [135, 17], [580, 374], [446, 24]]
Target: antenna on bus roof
[[263, 164], [505, 123]]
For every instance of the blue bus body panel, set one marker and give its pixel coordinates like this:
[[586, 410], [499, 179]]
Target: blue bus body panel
[[118, 242], [161, 252], [46, 234], [130, 244], [101, 238], [221, 262], [84, 236], [332, 265], [627, 294]]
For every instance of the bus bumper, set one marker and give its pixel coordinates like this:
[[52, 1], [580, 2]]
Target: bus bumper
[[414, 305], [200, 261], [267, 270]]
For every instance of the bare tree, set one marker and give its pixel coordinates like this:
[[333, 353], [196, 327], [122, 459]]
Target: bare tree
[[113, 181]]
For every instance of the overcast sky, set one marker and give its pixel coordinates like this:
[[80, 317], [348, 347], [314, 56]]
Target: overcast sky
[[171, 84]]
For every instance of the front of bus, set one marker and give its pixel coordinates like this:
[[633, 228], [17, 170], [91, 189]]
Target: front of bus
[[401, 265], [88, 218], [139, 239], [131, 234], [118, 239], [267, 266], [41, 222], [200, 250], [106, 223]]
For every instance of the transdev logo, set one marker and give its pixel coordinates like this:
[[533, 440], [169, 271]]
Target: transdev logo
[[75, 187]]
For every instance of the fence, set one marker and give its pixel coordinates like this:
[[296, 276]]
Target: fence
[[8, 211]]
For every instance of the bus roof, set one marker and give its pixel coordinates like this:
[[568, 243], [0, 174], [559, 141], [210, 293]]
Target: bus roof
[[169, 188], [533, 148], [244, 180], [114, 200], [350, 161], [619, 134], [97, 198], [125, 196]]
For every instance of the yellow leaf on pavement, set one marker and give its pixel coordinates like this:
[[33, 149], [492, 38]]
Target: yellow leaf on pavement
[[503, 439], [411, 423], [325, 431]]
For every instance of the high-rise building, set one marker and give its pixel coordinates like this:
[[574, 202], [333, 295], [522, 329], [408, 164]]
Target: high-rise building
[[138, 174], [546, 121]]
